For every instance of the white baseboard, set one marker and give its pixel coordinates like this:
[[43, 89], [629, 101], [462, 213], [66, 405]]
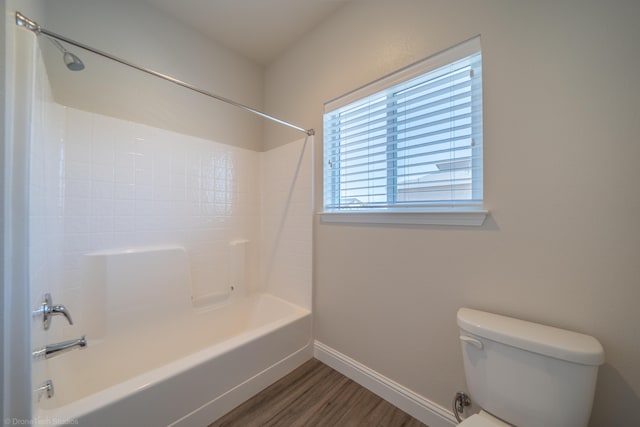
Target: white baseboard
[[412, 403]]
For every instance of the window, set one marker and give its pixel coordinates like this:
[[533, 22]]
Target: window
[[409, 146]]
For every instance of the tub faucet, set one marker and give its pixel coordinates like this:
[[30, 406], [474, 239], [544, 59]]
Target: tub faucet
[[49, 310], [52, 350]]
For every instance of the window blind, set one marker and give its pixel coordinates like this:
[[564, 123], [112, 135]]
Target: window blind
[[410, 141]]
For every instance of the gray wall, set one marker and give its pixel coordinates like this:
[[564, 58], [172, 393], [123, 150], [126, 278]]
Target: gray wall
[[140, 33], [562, 243]]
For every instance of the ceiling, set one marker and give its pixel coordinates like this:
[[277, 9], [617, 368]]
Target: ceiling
[[257, 29]]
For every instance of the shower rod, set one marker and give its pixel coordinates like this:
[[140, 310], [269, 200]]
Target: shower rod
[[23, 21]]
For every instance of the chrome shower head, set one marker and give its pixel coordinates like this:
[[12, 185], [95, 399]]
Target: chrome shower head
[[70, 60], [73, 62]]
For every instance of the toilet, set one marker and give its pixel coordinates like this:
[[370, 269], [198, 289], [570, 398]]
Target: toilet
[[525, 374]]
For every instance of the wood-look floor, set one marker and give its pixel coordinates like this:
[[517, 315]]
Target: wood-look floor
[[316, 395]]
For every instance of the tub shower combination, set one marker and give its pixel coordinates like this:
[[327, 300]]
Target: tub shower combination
[[155, 359], [146, 350]]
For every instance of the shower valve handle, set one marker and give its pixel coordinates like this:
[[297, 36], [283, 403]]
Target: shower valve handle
[[49, 310]]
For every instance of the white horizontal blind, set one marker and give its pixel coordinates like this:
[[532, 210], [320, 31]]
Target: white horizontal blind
[[413, 145]]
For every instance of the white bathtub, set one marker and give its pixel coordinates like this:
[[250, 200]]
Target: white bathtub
[[184, 367]]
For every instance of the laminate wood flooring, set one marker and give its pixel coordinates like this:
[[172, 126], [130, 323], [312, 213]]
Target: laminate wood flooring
[[316, 395]]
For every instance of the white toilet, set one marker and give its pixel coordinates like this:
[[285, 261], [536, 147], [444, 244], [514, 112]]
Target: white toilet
[[527, 375]]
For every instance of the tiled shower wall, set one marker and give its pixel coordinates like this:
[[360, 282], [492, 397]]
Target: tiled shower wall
[[104, 184], [286, 221], [129, 186]]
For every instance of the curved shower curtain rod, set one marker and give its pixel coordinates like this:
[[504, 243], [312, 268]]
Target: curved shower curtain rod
[[23, 21]]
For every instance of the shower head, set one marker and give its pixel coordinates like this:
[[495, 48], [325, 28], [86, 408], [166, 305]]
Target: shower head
[[71, 61]]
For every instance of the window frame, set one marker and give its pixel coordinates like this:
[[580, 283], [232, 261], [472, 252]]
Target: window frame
[[397, 214]]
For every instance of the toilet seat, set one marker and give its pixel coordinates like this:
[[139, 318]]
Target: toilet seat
[[483, 419]]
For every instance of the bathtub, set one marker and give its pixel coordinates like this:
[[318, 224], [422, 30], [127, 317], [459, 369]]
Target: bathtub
[[169, 364]]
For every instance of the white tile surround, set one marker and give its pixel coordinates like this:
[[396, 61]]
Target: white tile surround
[[103, 184], [129, 185], [286, 221]]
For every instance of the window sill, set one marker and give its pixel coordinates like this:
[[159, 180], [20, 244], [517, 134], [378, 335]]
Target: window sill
[[457, 218]]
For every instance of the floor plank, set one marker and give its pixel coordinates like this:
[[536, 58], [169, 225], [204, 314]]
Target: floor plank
[[316, 395]]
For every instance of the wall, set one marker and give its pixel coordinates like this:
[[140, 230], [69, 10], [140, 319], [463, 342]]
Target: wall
[[140, 33], [561, 244], [129, 185], [286, 221]]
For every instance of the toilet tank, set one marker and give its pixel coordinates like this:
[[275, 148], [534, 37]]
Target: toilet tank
[[529, 374]]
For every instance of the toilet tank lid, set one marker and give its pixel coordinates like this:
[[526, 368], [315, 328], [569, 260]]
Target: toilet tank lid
[[545, 340]]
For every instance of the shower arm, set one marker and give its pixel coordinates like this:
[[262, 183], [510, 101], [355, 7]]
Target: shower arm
[[23, 21]]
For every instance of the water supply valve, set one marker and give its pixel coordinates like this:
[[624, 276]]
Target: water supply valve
[[460, 401]]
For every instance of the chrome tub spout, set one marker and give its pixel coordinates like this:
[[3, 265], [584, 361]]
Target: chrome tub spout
[[52, 350]]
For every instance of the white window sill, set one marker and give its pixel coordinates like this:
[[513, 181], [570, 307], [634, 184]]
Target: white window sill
[[457, 218]]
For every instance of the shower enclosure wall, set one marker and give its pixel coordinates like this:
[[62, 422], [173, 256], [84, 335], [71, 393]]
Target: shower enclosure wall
[[101, 186]]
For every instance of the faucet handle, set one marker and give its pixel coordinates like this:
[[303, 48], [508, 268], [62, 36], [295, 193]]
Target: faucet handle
[[48, 310], [45, 389]]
